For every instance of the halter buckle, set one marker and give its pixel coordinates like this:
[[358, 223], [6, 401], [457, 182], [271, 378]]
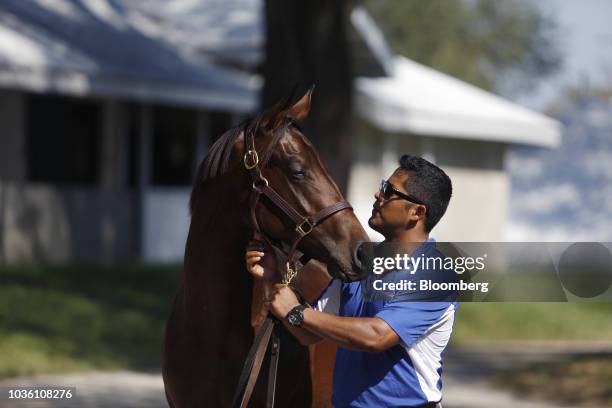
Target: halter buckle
[[304, 228], [260, 183], [251, 157]]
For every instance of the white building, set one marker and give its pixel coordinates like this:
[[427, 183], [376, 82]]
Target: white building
[[105, 109], [465, 130]]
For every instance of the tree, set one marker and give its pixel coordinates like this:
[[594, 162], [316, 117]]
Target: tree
[[307, 45], [502, 46]]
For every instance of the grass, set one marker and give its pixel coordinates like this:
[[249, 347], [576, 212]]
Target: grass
[[79, 317], [57, 319], [519, 322], [580, 381]]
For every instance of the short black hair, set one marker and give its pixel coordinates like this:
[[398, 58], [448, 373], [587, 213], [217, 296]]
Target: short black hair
[[428, 183]]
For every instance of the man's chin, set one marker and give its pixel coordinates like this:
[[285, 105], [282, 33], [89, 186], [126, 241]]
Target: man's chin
[[372, 224]]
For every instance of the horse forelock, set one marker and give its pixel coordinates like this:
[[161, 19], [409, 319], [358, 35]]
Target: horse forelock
[[277, 134]]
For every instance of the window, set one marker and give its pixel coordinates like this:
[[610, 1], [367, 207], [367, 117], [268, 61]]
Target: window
[[63, 139], [174, 133], [220, 122]]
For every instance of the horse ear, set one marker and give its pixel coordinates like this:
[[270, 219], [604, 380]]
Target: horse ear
[[299, 111], [278, 109]]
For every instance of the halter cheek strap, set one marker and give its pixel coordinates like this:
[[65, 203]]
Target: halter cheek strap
[[268, 332]]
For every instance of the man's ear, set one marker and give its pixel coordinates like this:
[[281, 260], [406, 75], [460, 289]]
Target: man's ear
[[416, 211], [299, 111], [420, 211]]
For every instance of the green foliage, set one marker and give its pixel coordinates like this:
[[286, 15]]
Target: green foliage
[[518, 321], [574, 95], [83, 317], [482, 41]]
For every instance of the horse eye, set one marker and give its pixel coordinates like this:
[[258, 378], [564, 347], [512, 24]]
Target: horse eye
[[298, 174]]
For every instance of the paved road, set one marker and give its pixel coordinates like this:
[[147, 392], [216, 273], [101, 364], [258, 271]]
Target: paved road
[[121, 389], [467, 371]]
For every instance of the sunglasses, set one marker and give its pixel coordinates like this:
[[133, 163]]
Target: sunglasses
[[387, 190]]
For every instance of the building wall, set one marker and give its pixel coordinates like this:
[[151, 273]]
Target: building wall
[[165, 223], [60, 222], [479, 206], [478, 210], [122, 211], [365, 174], [53, 224]]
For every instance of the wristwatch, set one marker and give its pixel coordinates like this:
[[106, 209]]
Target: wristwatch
[[295, 317]]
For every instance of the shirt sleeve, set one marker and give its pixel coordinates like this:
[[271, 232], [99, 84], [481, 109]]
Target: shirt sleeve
[[411, 320], [329, 301]]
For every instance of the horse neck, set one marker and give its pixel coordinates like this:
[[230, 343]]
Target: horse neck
[[214, 255]]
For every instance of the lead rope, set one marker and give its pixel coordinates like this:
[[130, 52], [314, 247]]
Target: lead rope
[[252, 365]]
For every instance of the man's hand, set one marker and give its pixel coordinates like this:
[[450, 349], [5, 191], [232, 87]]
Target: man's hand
[[260, 264], [282, 301], [253, 266]]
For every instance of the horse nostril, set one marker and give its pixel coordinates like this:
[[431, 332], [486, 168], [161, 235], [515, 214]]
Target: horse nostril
[[358, 257]]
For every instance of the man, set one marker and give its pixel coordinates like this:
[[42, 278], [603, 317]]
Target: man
[[389, 351]]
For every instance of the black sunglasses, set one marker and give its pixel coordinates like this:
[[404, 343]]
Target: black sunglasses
[[387, 190]]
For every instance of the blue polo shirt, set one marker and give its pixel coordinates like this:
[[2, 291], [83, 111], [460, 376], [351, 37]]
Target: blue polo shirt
[[407, 374]]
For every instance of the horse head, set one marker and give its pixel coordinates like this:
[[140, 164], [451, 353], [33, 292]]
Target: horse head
[[293, 168]]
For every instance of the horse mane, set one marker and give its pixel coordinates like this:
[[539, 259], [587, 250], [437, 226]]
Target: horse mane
[[216, 161]]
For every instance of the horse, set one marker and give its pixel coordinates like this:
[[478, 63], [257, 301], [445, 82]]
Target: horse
[[210, 328]]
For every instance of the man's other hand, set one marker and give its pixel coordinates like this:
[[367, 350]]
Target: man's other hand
[[262, 261], [282, 301]]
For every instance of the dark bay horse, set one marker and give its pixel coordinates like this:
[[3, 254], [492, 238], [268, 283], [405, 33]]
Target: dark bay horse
[[209, 331]]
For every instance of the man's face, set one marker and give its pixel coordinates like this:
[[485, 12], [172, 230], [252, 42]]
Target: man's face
[[393, 214]]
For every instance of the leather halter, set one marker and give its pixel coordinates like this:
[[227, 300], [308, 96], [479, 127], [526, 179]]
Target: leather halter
[[268, 332], [303, 224]]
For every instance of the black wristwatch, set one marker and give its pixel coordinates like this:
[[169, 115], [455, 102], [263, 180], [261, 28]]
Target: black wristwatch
[[295, 317]]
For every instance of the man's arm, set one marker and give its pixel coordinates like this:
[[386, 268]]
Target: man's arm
[[304, 336], [364, 334], [370, 334]]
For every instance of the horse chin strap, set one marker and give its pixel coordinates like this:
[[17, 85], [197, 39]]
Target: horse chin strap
[[269, 330]]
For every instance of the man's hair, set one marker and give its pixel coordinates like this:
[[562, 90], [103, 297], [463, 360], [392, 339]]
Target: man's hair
[[428, 183]]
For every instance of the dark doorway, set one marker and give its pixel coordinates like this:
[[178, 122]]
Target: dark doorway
[[63, 139], [174, 133]]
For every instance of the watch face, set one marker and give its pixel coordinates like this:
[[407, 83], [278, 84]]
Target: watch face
[[293, 319], [296, 315]]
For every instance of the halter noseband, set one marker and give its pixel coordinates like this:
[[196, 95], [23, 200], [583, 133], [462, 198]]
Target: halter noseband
[[303, 224]]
